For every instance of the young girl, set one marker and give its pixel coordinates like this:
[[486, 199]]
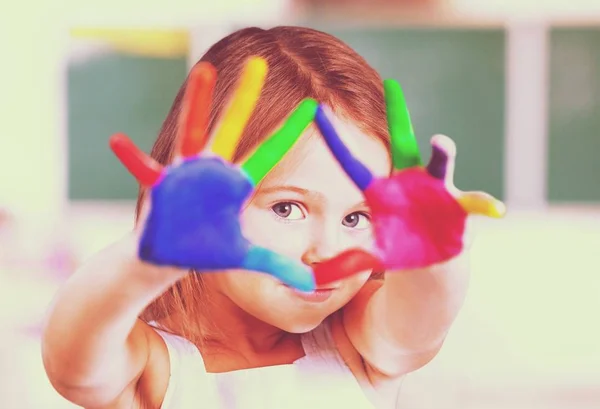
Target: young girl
[[124, 333]]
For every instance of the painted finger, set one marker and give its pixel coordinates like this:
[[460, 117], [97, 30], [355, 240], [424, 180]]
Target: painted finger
[[481, 203], [280, 267], [237, 115], [359, 173], [345, 265], [145, 169], [195, 109], [443, 155], [270, 152], [405, 150]]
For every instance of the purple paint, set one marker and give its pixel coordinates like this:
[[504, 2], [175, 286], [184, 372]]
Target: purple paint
[[438, 164], [360, 175]]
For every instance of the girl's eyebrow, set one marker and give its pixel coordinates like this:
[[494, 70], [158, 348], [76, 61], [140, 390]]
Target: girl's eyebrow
[[284, 188], [362, 204], [305, 193]]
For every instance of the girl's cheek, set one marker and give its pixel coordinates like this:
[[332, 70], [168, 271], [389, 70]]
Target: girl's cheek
[[289, 239]]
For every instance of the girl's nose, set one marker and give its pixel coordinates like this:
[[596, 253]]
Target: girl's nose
[[324, 244]]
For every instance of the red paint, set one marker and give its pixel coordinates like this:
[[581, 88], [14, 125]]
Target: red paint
[[417, 223], [145, 169], [345, 264], [195, 109]]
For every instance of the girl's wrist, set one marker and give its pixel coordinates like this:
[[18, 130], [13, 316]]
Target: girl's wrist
[[144, 271]]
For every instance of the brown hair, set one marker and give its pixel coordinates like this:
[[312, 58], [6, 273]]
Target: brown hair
[[303, 63]]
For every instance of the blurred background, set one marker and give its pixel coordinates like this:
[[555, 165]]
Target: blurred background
[[516, 83]]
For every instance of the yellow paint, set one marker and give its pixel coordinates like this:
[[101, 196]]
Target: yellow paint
[[243, 102], [148, 42], [482, 204]]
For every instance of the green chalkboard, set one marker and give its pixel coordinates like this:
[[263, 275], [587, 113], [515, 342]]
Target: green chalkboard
[[109, 93], [453, 80], [574, 115]]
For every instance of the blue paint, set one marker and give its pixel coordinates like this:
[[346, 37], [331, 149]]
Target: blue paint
[[360, 175], [291, 273], [194, 223]]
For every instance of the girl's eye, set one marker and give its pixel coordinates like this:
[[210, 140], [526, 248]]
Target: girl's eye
[[357, 220], [288, 211]]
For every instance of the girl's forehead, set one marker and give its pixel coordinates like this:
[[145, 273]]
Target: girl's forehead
[[311, 159]]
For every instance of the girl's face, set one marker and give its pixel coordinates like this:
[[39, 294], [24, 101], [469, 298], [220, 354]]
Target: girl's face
[[309, 210]]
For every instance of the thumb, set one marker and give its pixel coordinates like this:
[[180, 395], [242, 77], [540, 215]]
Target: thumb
[[281, 267], [481, 203], [346, 264]]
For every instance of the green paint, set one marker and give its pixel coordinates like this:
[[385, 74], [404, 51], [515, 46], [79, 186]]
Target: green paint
[[271, 151], [405, 150], [453, 80]]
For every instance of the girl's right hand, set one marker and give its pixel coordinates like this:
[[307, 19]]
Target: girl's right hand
[[193, 220]]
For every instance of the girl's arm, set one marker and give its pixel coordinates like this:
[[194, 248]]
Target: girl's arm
[[401, 326], [419, 223], [94, 348]]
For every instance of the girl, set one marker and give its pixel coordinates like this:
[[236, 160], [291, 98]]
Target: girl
[[124, 333]]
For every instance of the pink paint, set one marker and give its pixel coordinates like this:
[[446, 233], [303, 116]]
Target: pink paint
[[417, 223]]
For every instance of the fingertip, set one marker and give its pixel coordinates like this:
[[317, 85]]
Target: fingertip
[[394, 97], [391, 84], [327, 128], [118, 140], [305, 112], [303, 281], [323, 113], [282, 268], [444, 143], [320, 110], [320, 116], [482, 204], [193, 120], [440, 164], [301, 117], [257, 67], [145, 169], [499, 210], [206, 71], [242, 105], [202, 76], [310, 105], [200, 72]]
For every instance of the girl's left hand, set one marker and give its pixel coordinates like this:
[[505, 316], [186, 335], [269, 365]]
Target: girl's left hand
[[418, 214]]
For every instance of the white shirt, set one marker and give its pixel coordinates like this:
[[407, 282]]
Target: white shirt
[[319, 380]]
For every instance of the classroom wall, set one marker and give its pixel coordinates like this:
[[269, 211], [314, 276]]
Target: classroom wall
[[33, 101], [33, 150], [31, 178], [454, 82], [446, 74], [526, 123], [34, 43], [574, 115], [574, 10]]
